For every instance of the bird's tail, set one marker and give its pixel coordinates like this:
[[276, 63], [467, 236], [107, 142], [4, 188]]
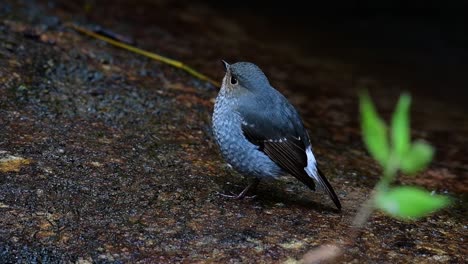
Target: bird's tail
[[323, 184]]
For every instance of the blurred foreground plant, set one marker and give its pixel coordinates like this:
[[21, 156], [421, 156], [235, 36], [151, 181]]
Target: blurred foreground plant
[[396, 152], [393, 150]]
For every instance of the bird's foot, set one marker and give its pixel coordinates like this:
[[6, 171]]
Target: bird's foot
[[239, 196], [242, 195]]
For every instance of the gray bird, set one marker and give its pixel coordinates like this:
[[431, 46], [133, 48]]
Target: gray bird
[[260, 134]]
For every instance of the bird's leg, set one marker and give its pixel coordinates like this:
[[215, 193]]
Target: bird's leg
[[252, 185]]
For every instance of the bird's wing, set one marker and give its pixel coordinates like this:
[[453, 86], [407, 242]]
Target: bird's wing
[[278, 131], [280, 134], [285, 149]]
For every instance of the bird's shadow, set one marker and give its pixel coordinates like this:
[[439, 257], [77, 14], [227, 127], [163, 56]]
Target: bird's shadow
[[272, 193]]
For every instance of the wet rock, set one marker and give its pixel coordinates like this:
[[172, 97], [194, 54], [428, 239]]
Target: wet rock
[[10, 163], [114, 160]]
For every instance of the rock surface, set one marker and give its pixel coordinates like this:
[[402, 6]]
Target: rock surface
[[118, 164]]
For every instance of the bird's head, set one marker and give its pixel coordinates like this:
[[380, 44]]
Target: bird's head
[[242, 76]]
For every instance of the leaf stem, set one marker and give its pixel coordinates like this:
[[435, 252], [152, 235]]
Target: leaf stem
[[367, 209]]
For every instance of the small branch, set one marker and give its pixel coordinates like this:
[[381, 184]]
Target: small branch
[[364, 212], [331, 251], [382, 186], [324, 252], [154, 56]]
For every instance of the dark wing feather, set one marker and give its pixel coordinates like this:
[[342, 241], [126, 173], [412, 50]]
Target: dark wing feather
[[265, 128], [328, 188], [289, 154]]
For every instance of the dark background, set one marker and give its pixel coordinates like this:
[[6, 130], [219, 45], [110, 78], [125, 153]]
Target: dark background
[[420, 46], [422, 43]]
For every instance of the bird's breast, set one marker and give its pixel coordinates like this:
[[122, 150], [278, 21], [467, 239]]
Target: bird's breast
[[234, 146]]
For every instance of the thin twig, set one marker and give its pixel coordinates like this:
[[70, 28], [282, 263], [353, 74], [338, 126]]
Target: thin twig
[[331, 251], [154, 56]]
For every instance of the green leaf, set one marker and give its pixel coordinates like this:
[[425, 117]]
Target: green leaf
[[417, 158], [408, 203], [401, 126], [374, 131]]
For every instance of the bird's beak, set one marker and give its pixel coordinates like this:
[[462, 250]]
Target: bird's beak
[[225, 64]]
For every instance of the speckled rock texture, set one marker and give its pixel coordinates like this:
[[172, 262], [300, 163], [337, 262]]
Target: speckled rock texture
[[107, 156]]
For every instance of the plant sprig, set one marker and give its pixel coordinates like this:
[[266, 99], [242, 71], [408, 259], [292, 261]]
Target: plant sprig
[[396, 153]]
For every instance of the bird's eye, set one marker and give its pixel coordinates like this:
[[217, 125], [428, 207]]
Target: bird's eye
[[233, 80]]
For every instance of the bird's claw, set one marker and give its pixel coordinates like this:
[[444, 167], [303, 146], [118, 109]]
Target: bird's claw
[[236, 196]]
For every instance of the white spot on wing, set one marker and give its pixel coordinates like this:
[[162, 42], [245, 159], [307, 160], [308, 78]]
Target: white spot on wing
[[311, 162], [311, 168], [276, 140], [247, 124]]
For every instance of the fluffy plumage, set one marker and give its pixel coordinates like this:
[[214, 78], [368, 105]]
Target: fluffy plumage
[[260, 133]]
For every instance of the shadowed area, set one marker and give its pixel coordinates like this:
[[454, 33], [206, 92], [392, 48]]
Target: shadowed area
[[107, 156]]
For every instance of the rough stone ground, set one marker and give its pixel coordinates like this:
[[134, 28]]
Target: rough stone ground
[[107, 156]]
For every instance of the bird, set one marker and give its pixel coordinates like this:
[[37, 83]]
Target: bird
[[259, 132]]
